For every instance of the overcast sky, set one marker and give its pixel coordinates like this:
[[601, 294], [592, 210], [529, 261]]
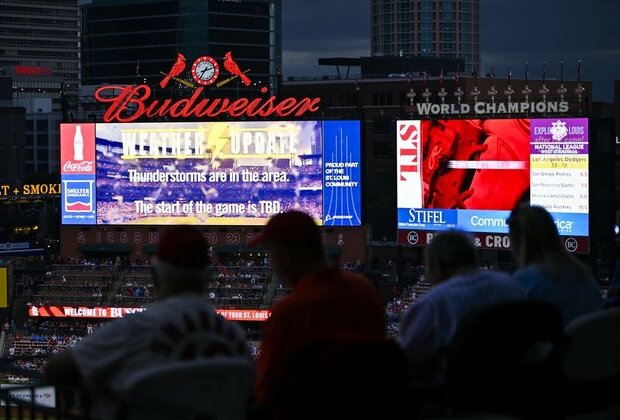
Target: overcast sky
[[511, 32]]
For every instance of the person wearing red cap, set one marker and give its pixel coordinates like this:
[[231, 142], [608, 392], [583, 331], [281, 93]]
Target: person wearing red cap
[[181, 325], [325, 303]]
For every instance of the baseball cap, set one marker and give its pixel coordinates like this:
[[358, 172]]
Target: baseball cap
[[183, 247], [293, 228]]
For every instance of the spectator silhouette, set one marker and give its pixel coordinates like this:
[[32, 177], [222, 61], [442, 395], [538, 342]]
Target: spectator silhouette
[[177, 327], [613, 293], [546, 271], [459, 287], [326, 302]]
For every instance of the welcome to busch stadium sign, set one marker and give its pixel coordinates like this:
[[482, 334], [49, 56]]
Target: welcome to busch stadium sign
[[103, 312]]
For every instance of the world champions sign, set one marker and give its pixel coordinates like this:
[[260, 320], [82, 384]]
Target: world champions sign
[[504, 99], [484, 108]]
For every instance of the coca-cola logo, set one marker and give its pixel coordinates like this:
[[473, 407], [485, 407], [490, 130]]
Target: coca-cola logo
[[83, 166]]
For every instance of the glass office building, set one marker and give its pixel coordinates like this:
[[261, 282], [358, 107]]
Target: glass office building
[[427, 28], [39, 48], [133, 41]]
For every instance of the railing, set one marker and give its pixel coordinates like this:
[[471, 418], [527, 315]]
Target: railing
[[41, 401], [22, 402], [34, 399]]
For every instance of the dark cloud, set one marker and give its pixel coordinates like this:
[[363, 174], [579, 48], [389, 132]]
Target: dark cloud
[[323, 28], [325, 22], [554, 31], [548, 25], [512, 32]]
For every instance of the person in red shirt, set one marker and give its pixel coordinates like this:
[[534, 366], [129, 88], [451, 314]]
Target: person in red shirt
[[326, 302]]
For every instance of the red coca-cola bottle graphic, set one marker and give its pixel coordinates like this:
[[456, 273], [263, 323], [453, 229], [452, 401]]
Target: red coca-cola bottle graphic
[[78, 144]]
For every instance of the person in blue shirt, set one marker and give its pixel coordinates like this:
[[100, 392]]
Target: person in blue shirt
[[459, 287], [545, 270]]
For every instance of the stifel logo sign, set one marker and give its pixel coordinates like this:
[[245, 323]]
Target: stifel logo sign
[[129, 103]]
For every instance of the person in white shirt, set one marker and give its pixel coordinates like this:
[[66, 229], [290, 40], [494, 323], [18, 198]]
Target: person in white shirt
[[182, 325], [459, 287]]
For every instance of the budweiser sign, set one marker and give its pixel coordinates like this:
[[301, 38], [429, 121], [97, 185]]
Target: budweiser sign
[[85, 166], [131, 103], [134, 102]]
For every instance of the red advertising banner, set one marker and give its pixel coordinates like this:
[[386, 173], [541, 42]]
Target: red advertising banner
[[77, 153], [496, 241], [112, 312], [80, 312], [247, 315], [31, 70]]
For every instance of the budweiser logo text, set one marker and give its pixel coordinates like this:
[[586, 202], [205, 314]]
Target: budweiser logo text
[[133, 102]]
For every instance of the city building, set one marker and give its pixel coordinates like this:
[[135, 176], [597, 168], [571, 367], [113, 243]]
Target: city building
[[35, 88], [39, 80], [29, 155], [39, 96], [12, 143], [42, 152], [39, 49], [128, 42], [39, 62], [427, 28]]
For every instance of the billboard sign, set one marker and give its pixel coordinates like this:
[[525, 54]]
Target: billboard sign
[[118, 312], [215, 173], [473, 172], [77, 173], [133, 102]]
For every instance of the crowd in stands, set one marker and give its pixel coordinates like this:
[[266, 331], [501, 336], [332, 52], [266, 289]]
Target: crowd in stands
[[408, 296], [74, 284], [29, 350], [352, 265], [238, 281], [37, 344], [66, 326], [37, 339]]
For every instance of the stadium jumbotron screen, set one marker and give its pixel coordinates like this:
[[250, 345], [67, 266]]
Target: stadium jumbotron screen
[[210, 173], [469, 174]]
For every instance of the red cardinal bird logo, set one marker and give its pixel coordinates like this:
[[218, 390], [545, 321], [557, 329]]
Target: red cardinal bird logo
[[233, 68], [175, 70]]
